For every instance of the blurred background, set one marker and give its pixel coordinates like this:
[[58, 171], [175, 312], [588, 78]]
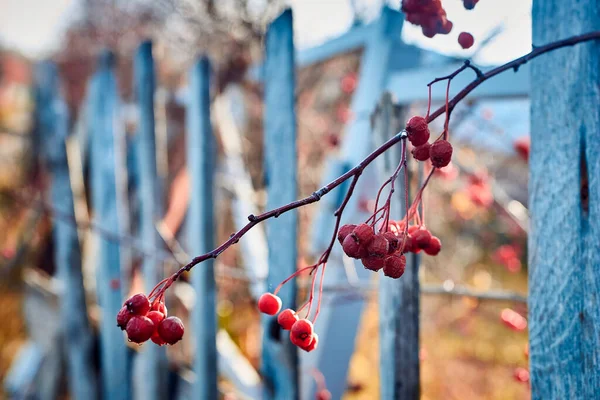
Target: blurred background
[[473, 301]]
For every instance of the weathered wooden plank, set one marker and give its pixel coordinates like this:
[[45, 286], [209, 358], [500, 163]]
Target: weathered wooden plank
[[103, 116], [411, 86], [150, 195], [339, 321], [53, 125], [201, 164], [564, 251], [280, 358], [398, 298]]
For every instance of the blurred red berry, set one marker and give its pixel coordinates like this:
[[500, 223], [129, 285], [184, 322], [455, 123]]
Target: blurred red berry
[[323, 394], [521, 374], [513, 319], [394, 266], [421, 237], [269, 304], [313, 343], [466, 40], [171, 330], [123, 317], [433, 247], [344, 231], [421, 152], [139, 329], [301, 333], [522, 147], [138, 304], [287, 318], [349, 82], [440, 153]]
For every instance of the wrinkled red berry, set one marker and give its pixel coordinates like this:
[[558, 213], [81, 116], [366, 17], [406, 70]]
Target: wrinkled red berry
[[269, 304], [421, 153], [372, 263], [363, 233], [313, 343], [421, 237], [434, 246], [139, 328], [287, 318], [466, 40], [393, 241], [378, 247], [171, 330], [138, 304], [418, 131], [394, 266], [344, 231], [301, 333], [123, 317], [440, 153], [323, 394], [351, 247], [160, 307]]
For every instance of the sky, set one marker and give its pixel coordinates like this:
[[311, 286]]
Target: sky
[[34, 27]]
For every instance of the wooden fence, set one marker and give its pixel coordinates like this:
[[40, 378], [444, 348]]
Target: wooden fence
[[144, 374]]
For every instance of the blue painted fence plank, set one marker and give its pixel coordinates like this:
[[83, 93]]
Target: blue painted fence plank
[[53, 125], [150, 195], [201, 153], [103, 116], [280, 357], [564, 199]]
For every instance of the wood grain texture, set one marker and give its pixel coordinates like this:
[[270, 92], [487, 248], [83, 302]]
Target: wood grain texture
[[564, 261], [398, 298], [150, 195], [201, 153], [280, 358], [103, 119], [53, 126]]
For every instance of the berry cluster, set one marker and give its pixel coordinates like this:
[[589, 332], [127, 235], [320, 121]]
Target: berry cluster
[[429, 15], [439, 152], [143, 320], [301, 330], [479, 190]]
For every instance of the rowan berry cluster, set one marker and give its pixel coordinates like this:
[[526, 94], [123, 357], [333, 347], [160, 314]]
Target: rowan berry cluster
[[439, 152], [429, 15], [302, 333], [142, 319]]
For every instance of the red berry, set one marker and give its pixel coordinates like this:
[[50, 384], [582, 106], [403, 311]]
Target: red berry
[[156, 317], [140, 328], [269, 304], [171, 330], [313, 343], [123, 317], [287, 318], [344, 231], [440, 153], [446, 27], [434, 246], [521, 375], [465, 39], [157, 339], [421, 238], [418, 131], [363, 233], [421, 152], [513, 319], [160, 307], [301, 333], [351, 247], [394, 266], [138, 304], [522, 147], [393, 241], [372, 263], [378, 247], [470, 4], [323, 394]]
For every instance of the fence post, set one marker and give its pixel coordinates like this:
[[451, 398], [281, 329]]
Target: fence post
[[151, 208], [339, 320], [103, 117], [280, 357], [201, 163], [398, 298], [53, 128], [564, 198]]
